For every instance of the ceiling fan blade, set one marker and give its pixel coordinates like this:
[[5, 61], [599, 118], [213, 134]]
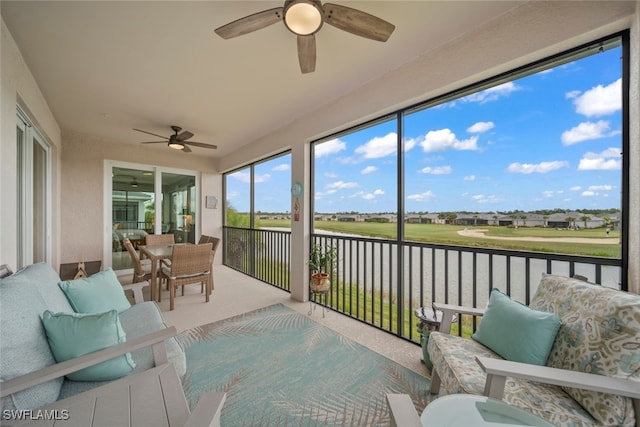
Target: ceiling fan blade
[[200, 144], [144, 131], [307, 53], [250, 23], [184, 135], [153, 142], [357, 22], [186, 149]]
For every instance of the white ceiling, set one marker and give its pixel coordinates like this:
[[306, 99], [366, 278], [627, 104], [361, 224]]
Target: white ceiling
[[107, 67]]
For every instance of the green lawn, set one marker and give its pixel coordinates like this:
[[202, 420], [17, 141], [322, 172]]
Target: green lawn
[[448, 234]]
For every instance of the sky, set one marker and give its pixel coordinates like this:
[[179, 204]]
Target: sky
[[548, 140]]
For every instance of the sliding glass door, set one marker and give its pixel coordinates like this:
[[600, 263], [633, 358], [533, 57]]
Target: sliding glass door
[[149, 200], [34, 194], [179, 203]]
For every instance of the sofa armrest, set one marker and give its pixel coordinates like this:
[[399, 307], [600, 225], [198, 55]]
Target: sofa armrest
[[155, 339], [448, 310], [207, 411], [136, 288], [402, 413], [497, 370]]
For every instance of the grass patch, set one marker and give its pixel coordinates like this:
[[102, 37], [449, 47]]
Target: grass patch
[[382, 311], [448, 235]]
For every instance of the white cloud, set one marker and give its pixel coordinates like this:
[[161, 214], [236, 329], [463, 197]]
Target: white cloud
[[480, 127], [371, 196], [261, 178], [281, 168], [470, 178], [444, 139], [246, 177], [422, 197], [548, 193], [241, 176], [409, 143], [481, 198], [609, 159], [605, 187], [598, 190], [368, 170], [599, 100], [492, 94], [330, 147], [542, 167], [340, 185], [572, 94], [438, 170], [380, 146], [575, 188], [586, 131]]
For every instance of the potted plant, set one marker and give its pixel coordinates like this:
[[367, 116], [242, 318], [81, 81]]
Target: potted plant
[[321, 263]]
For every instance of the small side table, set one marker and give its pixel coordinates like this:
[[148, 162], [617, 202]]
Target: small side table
[[465, 410], [429, 321]]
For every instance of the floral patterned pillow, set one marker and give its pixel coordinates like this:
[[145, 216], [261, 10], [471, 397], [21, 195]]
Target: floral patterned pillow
[[600, 334]]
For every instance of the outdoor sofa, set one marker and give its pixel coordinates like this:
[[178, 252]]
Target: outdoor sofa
[[26, 346], [572, 357]]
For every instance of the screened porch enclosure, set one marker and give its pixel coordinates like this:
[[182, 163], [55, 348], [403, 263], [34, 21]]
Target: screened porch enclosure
[[369, 285]]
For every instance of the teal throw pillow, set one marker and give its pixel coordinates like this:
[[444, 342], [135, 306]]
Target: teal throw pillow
[[96, 294], [73, 335], [517, 332]]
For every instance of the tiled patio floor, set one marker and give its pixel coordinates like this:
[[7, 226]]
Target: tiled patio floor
[[236, 293]]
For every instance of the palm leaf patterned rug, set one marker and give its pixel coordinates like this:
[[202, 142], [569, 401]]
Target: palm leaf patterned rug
[[280, 368]]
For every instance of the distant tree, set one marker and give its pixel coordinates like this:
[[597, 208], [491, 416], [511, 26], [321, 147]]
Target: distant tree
[[475, 220], [237, 219], [571, 220], [546, 220], [495, 220], [584, 219], [514, 219], [524, 219]]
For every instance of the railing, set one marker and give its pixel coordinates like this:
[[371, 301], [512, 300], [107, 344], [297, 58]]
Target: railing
[[381, 282], [259, 253]]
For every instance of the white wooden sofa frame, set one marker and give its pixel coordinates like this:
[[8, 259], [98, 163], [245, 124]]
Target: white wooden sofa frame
[[403, 413], [206, 413]]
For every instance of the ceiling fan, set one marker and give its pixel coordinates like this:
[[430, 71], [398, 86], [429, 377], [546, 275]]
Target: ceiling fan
[[178, 140], [304, 18]]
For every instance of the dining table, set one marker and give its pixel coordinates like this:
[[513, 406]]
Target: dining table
[[155, 254]]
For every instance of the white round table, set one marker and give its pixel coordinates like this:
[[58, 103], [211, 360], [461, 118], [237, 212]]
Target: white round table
[[464, 410]]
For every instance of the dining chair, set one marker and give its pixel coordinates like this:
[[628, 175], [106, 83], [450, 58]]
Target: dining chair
[[189, 264], [215, 241], [141, 267], [159, 239]]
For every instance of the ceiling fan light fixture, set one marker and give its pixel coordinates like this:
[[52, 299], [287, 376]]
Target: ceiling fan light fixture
[[303, 17], [176, 145]]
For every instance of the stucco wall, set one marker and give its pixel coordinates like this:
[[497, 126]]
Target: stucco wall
[[18, 86], [84, 227]]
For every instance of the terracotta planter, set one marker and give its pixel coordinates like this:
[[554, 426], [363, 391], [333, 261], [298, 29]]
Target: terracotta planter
[[319, 282]]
